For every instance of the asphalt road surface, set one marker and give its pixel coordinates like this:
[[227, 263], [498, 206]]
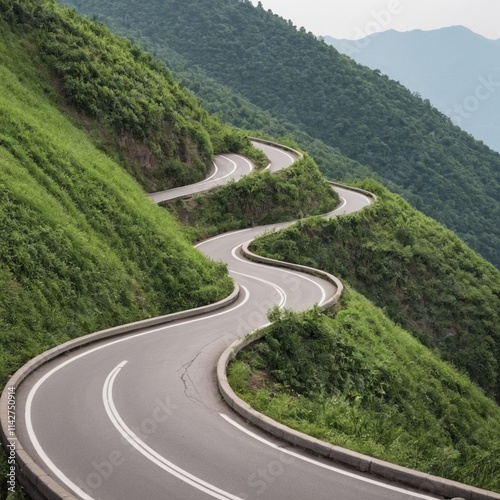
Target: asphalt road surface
[[140, 416]]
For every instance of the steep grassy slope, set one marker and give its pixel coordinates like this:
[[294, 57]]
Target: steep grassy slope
[[289, 73], [257, 199], [129, 102], [421, 274], [355, 379], [81, 247]]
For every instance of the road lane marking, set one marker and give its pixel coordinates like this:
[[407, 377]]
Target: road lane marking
[[281, 269], [344, 203], [147, 451], [215, 173], [225, 235], [28, 410], [235, 166], [210, 179], [323, 465], [249, 163], [29, 402], [36, 444], [279, 150], [280, 290]]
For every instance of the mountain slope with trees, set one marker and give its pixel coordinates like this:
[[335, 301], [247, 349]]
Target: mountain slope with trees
[[81, 246], [452, 67], [286, 71]]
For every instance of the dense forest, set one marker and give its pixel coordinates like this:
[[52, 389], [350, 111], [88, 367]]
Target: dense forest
[[419, 273], [289, 73], [82, 248]]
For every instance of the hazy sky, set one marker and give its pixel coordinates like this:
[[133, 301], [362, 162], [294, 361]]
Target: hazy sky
[[354, 19]]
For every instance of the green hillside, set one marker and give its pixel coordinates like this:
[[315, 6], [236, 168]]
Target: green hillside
[[419, 273], [290, 74], [354, 378], [81, 247], [241, 112], [128, 102]]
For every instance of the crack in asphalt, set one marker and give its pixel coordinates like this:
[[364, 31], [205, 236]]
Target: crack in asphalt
[[189, 385]]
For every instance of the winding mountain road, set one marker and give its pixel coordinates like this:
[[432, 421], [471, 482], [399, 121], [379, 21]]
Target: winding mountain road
[[139, 416]]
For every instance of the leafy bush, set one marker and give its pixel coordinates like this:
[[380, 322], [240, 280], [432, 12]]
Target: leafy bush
[[421, 274], [259, 198], [357, 380]]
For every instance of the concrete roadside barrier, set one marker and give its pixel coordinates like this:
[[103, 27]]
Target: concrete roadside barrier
[[35, 481]]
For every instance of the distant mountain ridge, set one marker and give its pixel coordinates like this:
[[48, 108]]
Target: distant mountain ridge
[[455, 68], [291, 75], [82, 248]]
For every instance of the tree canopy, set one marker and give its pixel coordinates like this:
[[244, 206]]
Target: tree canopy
[[291, 75]]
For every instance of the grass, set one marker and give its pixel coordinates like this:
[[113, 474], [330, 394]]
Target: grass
[[357, 380], [81, 246], [257, 199]]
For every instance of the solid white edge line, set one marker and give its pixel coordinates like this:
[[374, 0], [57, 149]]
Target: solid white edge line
[[322, 465], [33, 391], [235, 166], [293, 273], [280, 290], [279, 150], [306, 278], [38, 448], [210, 179], [147, 451], [29, 423], [214, 174], [248, 162], [344, 203], [201, 243]]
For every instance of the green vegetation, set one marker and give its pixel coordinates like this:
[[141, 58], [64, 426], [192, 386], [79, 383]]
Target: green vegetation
[[259, 198], [144, 118], [421, 274], [241, 112], [81, 246], [292, 76], [357, 380]]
